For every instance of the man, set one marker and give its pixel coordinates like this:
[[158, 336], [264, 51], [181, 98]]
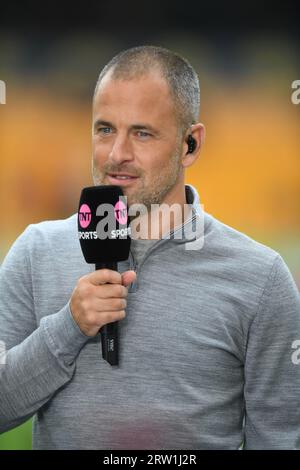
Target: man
[[207, 332]]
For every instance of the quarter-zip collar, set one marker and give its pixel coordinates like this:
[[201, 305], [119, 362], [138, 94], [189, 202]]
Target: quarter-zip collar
[[191, 232]]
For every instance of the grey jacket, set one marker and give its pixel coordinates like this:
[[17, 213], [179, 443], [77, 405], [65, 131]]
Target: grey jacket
[[208, 348]]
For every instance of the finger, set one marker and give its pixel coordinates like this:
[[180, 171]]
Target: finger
[[110, 317], [104, 276], [107, 291], [128, 277], [109, 305]]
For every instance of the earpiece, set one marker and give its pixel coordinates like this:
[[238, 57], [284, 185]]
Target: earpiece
[[191, 144]]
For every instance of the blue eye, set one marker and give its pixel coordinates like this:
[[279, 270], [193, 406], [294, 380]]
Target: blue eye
[[143, 134], [104, 130]]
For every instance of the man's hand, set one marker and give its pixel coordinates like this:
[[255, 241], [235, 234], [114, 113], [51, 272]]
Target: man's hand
[[100, 298]]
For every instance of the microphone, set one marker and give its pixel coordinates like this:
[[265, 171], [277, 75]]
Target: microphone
[[104, 238]]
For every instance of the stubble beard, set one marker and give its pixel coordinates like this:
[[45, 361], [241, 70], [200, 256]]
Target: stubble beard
[[157, 186]]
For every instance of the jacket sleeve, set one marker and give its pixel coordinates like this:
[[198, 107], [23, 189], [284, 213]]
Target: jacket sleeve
[[272, 368], [36, 360]]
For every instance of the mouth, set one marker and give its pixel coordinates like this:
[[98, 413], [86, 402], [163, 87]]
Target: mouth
[[121, 179]]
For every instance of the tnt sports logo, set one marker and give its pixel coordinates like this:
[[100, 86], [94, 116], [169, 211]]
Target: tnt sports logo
[[85, 216], [121, 212]]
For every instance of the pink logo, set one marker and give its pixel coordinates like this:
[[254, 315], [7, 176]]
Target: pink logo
[[121, 212], [85, 216]]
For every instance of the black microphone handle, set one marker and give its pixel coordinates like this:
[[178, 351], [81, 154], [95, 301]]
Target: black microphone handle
[[109, 332]]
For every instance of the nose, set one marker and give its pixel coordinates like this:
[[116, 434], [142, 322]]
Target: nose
[[121, 150]]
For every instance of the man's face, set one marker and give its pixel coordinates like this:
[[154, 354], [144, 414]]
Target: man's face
[[135, 136]]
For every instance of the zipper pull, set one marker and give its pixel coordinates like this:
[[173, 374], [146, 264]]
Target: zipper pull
[[133, 267]]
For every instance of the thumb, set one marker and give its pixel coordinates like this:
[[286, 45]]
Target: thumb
[[128, 277]]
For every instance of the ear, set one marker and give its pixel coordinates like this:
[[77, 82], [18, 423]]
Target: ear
[[197, 131]]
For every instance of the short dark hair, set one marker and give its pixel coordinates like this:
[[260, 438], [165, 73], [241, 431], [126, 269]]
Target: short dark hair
[[177, 71]]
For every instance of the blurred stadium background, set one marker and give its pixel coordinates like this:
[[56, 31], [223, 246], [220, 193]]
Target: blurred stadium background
[[248, 174]]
